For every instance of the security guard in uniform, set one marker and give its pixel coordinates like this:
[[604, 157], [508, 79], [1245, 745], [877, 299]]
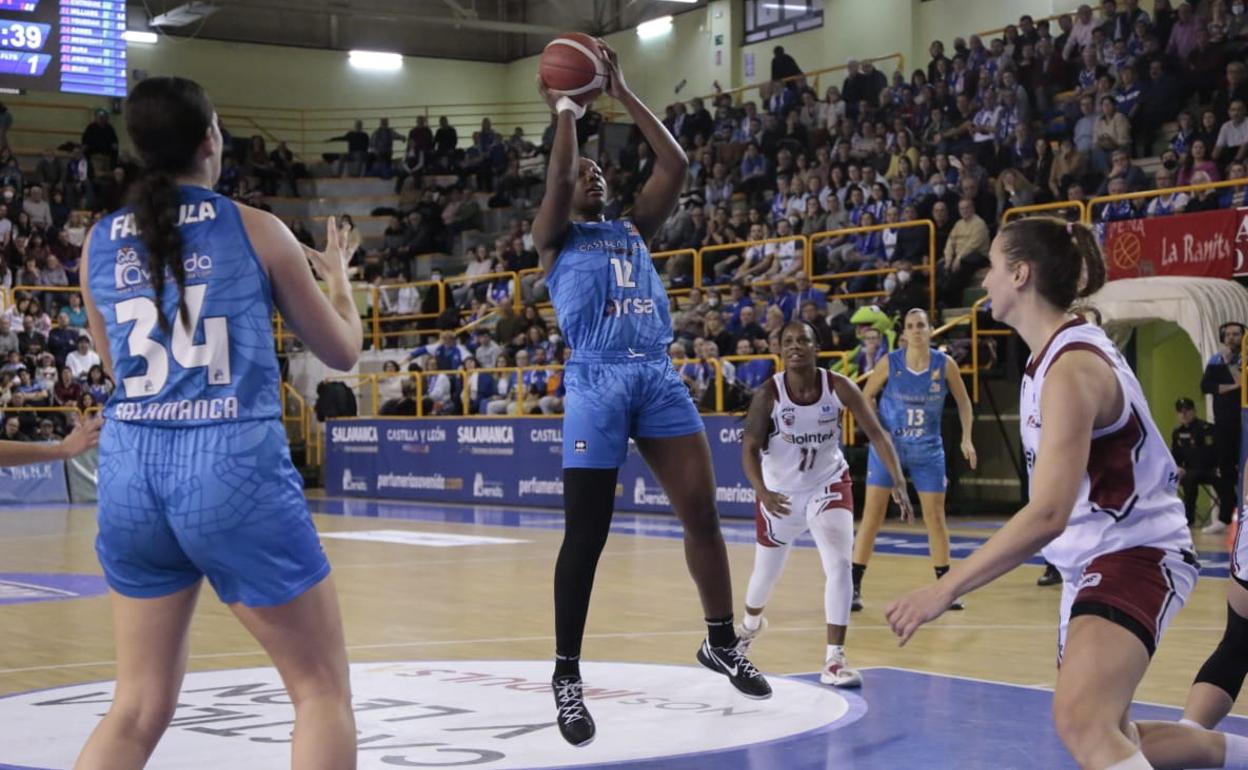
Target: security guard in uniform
[[1193, 445]]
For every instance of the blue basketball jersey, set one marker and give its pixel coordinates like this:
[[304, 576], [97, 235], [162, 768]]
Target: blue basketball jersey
[[607, 295], [220, 368], [912, 402]]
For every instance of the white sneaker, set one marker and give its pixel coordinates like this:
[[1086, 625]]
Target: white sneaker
[[837, 674], [1214, 527], [746, 637]]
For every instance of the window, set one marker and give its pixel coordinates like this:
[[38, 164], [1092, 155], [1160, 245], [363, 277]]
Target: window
[[765, 19]]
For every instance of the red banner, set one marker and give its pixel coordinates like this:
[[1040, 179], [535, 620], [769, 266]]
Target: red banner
[[1202, 244]]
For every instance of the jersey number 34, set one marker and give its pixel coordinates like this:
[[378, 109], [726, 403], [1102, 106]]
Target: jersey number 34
[[213, 353]]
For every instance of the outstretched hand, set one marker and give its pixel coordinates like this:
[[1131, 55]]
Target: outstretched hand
[[616, 87], [912, 610], [340, 243]]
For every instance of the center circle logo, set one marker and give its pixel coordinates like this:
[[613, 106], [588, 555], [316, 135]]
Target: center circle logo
[[487, 714]]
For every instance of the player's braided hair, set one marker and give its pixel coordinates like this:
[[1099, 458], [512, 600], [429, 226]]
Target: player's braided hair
[[167, 119]]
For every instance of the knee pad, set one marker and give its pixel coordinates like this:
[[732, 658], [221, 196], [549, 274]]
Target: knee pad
[[1227, 666]]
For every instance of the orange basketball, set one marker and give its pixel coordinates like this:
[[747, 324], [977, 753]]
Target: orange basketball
[[572, 65]]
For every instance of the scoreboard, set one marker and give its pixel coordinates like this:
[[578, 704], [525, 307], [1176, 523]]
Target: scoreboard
[[74, 46]]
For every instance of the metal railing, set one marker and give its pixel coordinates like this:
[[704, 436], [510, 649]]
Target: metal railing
[[1046, 208], [813, 79], [741, 246], [929, 267], [1100, 200]]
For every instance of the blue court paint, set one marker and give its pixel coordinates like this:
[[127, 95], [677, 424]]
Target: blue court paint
[[899, 719], [25, 587], [1214, 564]]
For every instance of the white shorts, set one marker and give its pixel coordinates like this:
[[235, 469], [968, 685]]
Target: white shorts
[[1140, 589], [774, 531]]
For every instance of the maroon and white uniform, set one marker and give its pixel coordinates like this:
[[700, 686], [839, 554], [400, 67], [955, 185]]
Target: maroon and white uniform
[[803, 461], [1126, 553]]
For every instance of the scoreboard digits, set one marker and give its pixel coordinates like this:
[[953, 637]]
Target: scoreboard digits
[[74, 46]]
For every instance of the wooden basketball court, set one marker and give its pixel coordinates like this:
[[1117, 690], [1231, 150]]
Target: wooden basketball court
[[419, 591]]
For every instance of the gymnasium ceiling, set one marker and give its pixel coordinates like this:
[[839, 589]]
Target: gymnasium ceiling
[[482, 30]]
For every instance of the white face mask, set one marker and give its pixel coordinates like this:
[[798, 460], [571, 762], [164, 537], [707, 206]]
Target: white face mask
[[903, 277], [939, 189], [554, 339], [890, 284], [1237, 9]]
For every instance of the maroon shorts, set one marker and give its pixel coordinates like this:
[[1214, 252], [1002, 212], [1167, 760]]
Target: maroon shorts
[[1140, 589]]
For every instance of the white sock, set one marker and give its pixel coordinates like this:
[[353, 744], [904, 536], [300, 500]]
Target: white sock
[[752, 622], [1236, 752], [1134, 762], [835, 650]]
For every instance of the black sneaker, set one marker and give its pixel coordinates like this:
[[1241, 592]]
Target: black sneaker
[[732, 663], [856, 604], [1051, 576], [575, 724]]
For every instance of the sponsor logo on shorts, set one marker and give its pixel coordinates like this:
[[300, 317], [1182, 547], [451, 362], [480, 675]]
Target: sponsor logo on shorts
[[352, 484], [580, 446], [484, 488], [1089, 580]]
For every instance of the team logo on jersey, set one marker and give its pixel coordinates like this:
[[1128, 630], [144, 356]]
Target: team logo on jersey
[[935, 387], [788, 417], [1033, 422], [127, 273], [827, 414]]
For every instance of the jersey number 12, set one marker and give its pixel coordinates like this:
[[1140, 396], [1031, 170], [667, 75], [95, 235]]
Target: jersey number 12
[[623, 273], [213, 353]]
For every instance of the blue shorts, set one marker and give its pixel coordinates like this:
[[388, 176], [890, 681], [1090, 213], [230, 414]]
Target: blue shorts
[[611, 398], [221, 501], [925, 464]]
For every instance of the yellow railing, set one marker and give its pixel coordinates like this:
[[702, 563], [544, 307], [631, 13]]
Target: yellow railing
[[929, 267], [1094, 202], [1045, 208], [301, 420], [801, 240], [680, 363], [379, 334]]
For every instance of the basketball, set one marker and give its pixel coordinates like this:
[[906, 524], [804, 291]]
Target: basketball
[[571, 66]]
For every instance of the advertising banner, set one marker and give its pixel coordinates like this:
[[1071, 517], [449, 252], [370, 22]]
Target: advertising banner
[[1202, 244], [507, 461], [31, 484]]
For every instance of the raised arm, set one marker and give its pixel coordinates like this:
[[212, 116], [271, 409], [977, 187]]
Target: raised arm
[[966, 414], [858, 405], [757, 432], [1075, 388], [657, 199], [330, 327], [550, 226]]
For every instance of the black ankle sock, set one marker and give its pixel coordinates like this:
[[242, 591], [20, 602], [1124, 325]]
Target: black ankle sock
[[859, 570], [720, 631], [940, 571], [567, 665]]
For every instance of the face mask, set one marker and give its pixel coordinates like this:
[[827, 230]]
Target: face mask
[[903, 277], [713, 300], [554, 339], [939, 189], [890, 283], [1237, 9]]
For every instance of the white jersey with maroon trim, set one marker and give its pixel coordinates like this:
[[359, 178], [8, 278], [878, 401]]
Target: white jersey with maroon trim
[[1127, 495], [803, 451]]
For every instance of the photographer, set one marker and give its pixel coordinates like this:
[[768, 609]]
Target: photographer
[[1221, 380]]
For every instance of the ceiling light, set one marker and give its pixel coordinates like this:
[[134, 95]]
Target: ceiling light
[[375, 60], [139, 36], [785, 6], [654, 27]]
